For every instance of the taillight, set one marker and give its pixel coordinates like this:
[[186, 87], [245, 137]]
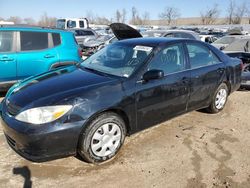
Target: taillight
[[80, 52]]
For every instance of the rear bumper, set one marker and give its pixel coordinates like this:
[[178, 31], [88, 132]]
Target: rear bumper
[[41, 143]]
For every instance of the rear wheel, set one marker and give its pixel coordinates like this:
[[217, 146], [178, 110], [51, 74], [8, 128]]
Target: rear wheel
[[219, 99], [102, 138]]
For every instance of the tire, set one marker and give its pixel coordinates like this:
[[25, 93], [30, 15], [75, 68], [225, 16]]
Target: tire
[[102, 138], [219, 99]]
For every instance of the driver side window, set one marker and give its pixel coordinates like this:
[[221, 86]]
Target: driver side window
[[169, 59]]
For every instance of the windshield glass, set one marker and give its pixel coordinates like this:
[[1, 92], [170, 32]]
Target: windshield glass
[[225, 40], [118, 59], [60, 24], [239, 45]]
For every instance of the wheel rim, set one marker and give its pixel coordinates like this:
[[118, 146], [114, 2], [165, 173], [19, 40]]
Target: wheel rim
[[106, 140], [220, 99]]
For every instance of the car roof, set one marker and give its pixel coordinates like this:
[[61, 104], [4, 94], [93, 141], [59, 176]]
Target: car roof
[[150, 41], [24, 27]]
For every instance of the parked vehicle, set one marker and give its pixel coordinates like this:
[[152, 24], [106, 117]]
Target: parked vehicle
[[91, 45], [69, 23], [208, 38], [82, 34], [125, 87], [240, 48], [223, 42], [245, 83], [27, 50], [172, 33]]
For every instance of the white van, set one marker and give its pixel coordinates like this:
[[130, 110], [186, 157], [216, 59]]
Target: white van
[[69, 23]]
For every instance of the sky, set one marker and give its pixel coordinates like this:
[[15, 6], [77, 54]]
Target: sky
[[107, 8]]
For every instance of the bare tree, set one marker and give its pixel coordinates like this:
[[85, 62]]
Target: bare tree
[[231, 10], [136, 19], [248, 15], [134, 15], [145, 17], [29, 21], [124, 13], [15, 19], [236, 12], [90, 16], [118, 16], [102, 20], [240, 12], [210, 15], [47, 21], [169, 14]]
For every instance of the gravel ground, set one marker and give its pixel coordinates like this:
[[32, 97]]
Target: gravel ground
[[193, 150]]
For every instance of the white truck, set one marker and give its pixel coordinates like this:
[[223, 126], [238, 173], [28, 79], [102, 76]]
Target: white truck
[[72, 23]]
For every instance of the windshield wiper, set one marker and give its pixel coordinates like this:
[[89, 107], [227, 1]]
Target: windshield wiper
[[95, 71]]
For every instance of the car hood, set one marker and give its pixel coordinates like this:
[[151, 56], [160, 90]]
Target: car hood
[[123, 31], [56, 85]]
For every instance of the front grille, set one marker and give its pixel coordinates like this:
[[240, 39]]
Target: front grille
[[11, 141], [12, 108]]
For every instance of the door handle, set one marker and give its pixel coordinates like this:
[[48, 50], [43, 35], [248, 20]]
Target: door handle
[[49, 56], [6, 59]]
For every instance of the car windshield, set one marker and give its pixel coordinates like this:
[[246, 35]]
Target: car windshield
[[225, 40], [118, 59], [239, 45], [60, 23]]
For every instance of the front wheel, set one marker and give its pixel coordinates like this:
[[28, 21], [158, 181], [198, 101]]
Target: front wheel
[[102, 138], [219, 99]]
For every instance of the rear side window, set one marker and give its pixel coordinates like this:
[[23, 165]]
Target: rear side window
[[56, 39], [33, 40], [200, 56], [6, 41]]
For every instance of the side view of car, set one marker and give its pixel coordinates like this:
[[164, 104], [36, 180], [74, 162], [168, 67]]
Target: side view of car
[[130, 85], [28, 50]]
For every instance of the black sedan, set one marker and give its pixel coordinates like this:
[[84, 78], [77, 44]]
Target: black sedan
[[126, 87]]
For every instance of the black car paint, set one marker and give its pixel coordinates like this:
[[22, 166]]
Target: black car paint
[[141, 104]]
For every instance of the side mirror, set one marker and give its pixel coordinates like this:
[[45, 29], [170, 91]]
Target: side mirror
[[153, 75]]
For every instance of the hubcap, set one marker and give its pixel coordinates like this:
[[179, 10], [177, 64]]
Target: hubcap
[[106, 140], [220, 99]]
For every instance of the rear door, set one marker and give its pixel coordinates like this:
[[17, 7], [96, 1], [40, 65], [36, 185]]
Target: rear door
[[207, 72], [7, 56], [35, 53], [161, 99]]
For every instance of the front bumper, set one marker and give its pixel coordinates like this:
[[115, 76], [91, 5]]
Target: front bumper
[[41, 143]]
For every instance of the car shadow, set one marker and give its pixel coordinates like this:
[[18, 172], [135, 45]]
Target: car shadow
[[25, 173]]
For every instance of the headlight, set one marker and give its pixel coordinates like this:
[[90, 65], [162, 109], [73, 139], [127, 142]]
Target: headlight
[[44, 114]]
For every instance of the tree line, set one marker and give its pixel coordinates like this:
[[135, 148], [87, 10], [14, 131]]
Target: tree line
[[235, 13]]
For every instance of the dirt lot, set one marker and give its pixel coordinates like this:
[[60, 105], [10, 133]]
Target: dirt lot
[[193, 150]]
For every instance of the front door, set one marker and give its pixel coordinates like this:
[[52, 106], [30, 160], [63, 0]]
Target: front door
[[7, 56], [161, 99]]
